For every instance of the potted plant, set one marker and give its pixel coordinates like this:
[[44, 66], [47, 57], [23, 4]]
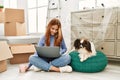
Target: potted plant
[[1, 8]]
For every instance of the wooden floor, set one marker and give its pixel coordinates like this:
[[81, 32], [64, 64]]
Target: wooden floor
[[112, 72]]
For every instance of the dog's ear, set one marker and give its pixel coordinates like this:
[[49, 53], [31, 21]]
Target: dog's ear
[[87, 45], [93, 48], [77, 43]]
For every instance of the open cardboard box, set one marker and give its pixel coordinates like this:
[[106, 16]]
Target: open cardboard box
[[21, 52], [5, 53]]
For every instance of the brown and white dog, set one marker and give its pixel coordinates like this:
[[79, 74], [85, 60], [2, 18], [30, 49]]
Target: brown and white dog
[[85, 48]]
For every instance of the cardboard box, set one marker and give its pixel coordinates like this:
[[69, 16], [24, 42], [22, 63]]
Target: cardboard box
[[21, 53], [1, 17], [14, 29], [3, 65], [5, 53], [14, 15]]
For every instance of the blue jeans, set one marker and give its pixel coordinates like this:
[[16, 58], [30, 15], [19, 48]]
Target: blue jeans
[[46, 63]]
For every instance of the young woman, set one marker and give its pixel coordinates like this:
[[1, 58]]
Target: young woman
[[52, 37]]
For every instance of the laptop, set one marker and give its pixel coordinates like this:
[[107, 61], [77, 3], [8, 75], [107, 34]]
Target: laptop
[[48, 52]]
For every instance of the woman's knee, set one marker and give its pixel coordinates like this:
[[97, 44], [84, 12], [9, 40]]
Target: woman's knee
[[67, 58], [31, 58]]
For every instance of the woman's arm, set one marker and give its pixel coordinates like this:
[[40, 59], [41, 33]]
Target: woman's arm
[[41, 41], [63, 47]]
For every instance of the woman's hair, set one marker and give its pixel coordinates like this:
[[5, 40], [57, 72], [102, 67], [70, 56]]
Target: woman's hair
[[58, 35]]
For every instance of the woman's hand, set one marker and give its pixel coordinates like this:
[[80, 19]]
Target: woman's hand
[[59, 32]]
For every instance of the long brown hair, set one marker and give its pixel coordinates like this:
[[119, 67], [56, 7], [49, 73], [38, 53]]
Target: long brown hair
[[58, 35]]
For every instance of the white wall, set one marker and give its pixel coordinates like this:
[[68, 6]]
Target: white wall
[[67, 7]]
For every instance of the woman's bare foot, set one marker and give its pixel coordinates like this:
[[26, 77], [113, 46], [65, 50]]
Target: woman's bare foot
[[23, 68]]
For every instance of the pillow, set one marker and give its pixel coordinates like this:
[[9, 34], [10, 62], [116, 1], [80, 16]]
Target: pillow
[[93, 64]]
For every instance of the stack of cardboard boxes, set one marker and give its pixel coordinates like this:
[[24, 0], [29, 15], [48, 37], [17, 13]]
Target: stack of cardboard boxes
[[14, 22], [14, 25]]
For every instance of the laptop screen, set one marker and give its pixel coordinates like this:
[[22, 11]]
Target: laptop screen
[[48, 51]]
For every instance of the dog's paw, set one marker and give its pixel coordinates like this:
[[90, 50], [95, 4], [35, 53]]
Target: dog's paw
[[81, 60]]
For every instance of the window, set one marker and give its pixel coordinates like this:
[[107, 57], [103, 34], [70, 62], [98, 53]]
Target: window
[[10, 3], [37, 14], [32, 3], [32, 21], [42, 19], [1, 2]]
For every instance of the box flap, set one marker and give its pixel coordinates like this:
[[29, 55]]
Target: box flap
[[25, 48], [5, 52]]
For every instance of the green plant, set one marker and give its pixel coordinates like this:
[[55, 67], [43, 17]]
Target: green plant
[[1, 6]]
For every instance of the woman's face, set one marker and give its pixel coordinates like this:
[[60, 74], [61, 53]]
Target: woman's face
[[54, 29]]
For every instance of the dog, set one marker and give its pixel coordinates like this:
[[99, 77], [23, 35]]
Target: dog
[[85, 48]]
